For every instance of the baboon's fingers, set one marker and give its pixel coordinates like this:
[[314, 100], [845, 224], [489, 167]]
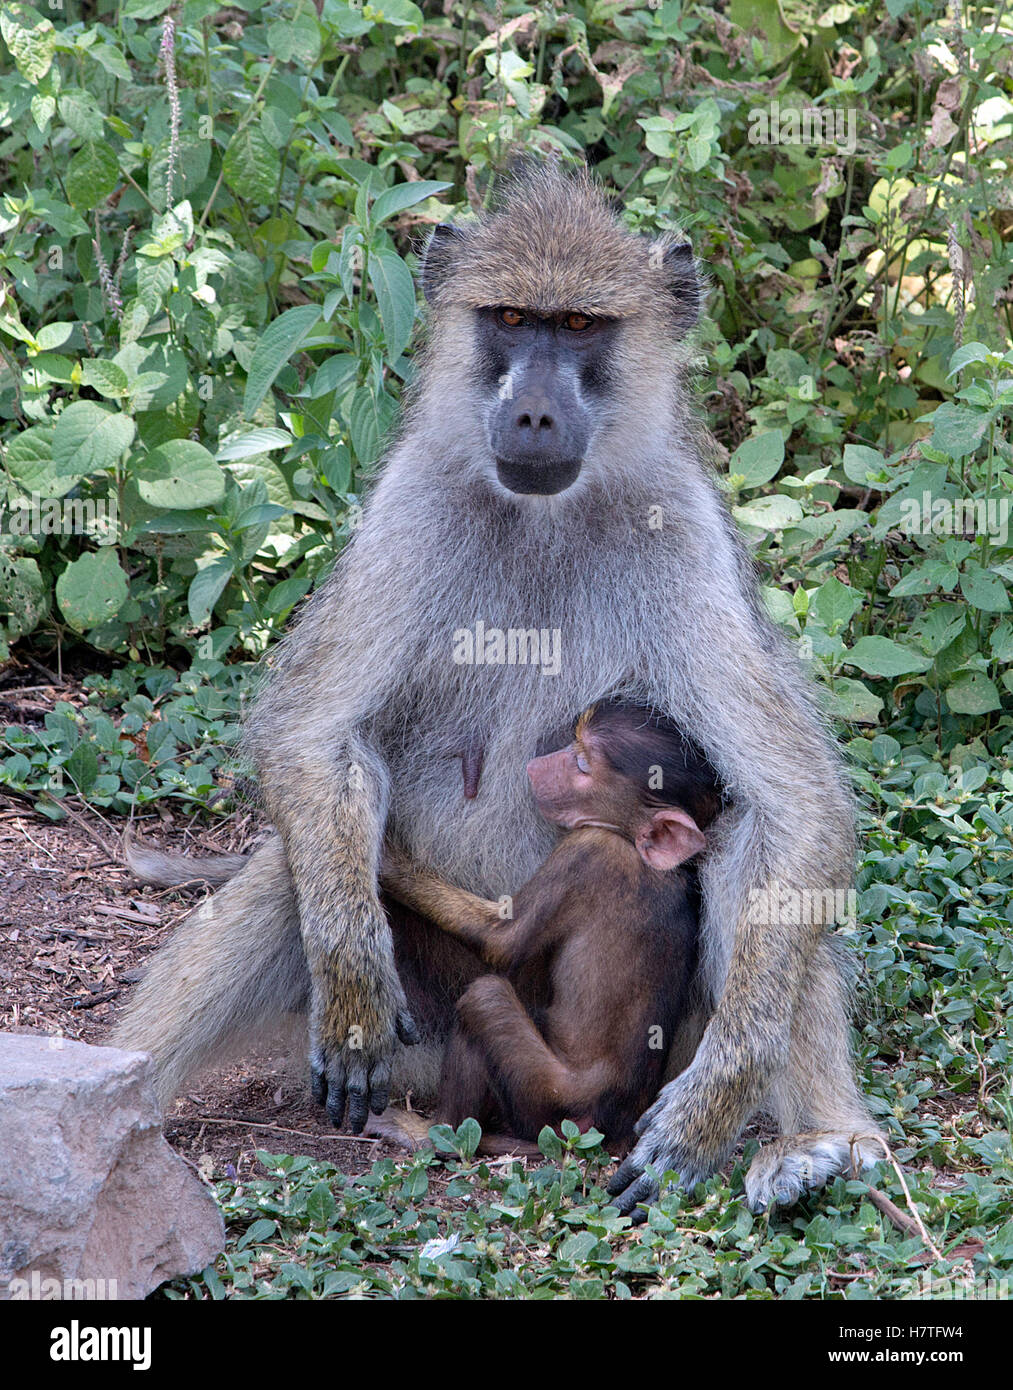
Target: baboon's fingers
[[358, 1095], [318, 1076], [632, 1190], [406, 1031], [379, 1088], [336, 1096]]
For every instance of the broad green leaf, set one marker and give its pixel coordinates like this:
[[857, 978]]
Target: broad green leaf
[[53, 366], [400, 13], [258, 515], [881, 656], [369, 420], [957, 430], [43, 109], [252, 166], [395, 295], [965, 355], [1001, 642], [88, 437], [180, 475], [80, 111], [861, 461], [25, 594], [972, 693], [926, 578], [834, 604], [11, 324], [154, 281], [320, 1205], [403, 195], [92, 175], [105, 377], [30, 463], [277, 343], [983, 590], [769, 513], [53, 335], [854, 701], [285, 595], [112, 60], [92, 589], [766, 20], [190, 171], [295, 40], [62, 218], [698, 152], [258, 441], [31, 39], [206, 588], [940, 627], [82, 766], [759, 458]]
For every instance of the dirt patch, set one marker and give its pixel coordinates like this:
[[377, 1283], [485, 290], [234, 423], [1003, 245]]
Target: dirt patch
[[76, 931]]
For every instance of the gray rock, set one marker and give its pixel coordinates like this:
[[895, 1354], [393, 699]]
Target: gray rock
[[89, 1189]]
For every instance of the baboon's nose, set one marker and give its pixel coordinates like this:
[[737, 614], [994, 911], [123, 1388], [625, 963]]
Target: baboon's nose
[[535, 415], [539, 439]]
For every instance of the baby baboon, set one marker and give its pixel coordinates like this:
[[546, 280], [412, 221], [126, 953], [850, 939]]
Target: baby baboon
[[595, 965], [544, 534]]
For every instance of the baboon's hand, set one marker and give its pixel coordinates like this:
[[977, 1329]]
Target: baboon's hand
[[396, 869], [665, 1144], [352, 1041]]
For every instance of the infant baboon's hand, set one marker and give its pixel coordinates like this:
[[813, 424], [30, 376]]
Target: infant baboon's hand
[[354, 1031], [396, 869]]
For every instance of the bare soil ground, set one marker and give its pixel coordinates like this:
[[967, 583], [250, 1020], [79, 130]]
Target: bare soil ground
[[76, 931]]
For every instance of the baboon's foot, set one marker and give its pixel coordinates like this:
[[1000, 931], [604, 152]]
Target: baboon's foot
[[787, 1167], [405, 1128]]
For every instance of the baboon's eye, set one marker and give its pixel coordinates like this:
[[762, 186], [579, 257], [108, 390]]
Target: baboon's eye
[[583, 765], [577, 323], [513, 318]]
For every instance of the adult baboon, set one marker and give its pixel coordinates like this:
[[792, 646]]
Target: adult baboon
[[545, 534]]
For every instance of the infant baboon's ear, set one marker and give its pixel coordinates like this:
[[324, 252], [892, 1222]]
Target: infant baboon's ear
[[682, 280], [438, 258]]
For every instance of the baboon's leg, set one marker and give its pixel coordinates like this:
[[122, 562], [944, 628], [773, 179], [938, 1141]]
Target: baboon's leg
[[235, 963], [825, 1125], [465, 1087]]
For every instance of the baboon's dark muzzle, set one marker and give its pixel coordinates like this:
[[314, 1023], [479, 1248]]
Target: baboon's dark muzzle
[[539, 438], [541, 477]]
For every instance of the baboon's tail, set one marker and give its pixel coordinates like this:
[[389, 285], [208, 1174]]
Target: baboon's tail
[[231, 967], [163, 870]]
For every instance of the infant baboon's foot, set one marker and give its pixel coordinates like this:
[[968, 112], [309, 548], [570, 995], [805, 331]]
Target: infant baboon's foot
[[405, 1128], [787, 1167]]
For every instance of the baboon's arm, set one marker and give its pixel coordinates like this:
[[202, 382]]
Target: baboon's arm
[[473, 920], [330, 814], [326, 788]]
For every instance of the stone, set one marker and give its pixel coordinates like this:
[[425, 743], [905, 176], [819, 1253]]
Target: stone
[[90, 1192]]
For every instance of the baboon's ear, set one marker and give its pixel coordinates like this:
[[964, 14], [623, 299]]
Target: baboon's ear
[[438, 257], [683, 284]]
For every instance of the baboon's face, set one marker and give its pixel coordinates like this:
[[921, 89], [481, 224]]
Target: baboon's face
[[545, 380]]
